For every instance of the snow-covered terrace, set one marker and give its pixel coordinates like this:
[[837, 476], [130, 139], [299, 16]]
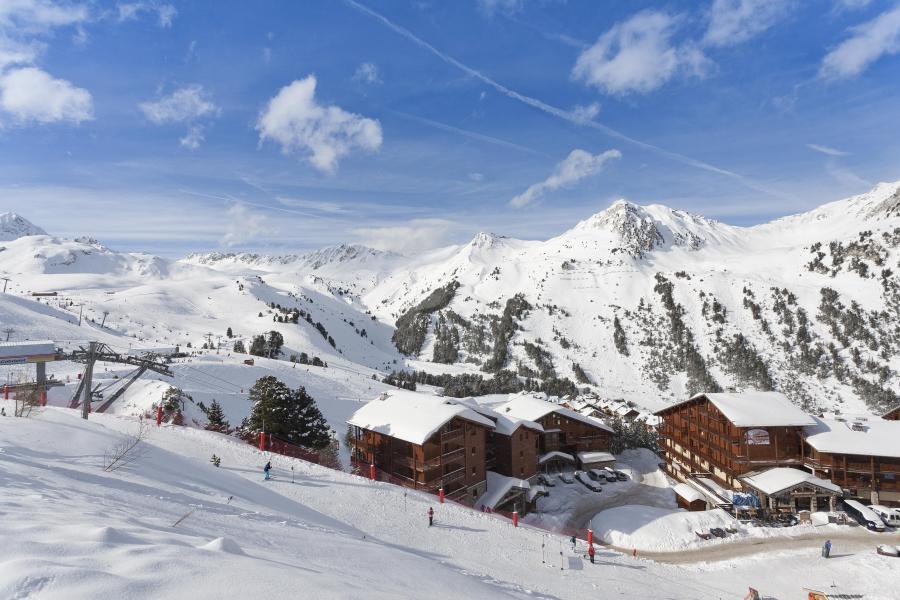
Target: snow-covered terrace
[[778, 480]]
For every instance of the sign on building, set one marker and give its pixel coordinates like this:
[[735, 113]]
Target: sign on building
[[757, 437]]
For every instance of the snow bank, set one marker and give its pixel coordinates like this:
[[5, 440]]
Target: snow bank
[[656, 529]]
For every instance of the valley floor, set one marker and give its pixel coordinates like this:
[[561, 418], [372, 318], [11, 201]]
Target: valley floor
[[69, 529]]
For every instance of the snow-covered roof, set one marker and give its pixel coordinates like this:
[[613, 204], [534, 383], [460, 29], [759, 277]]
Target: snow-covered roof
[[22, 349], [535, 491], [504, 424], [498, 486], [595, 457], [689, 493], [872, 437], [526, 406], [778, 479], [412, 416], [556, 454], [755, 409]]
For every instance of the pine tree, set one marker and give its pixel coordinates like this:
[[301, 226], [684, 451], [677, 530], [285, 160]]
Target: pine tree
[[258, 346], [239, 347], [228, 333], [273, 344], [291, 415], [216, 417]]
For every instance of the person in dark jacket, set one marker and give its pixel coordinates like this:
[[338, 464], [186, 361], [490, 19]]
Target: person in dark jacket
[[591, 553], [574, 541], [826, 549], [267, 468], [430, 516]]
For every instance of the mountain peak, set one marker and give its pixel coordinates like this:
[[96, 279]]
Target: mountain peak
[[485, 240], [14, 226]]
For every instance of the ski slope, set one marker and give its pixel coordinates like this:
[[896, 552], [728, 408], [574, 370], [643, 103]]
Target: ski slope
[[327, 535]]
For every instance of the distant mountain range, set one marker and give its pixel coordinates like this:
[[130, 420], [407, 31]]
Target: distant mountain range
[[645, 303]]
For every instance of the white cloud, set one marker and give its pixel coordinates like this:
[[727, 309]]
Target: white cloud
[[244, 226], [575, 167], [868, 42], [735, 21], [31, 15], [827, 150], [193, 138], [130, 11], [184, 104], [367, 73], [414, 236], [509, 7], [29, 94], [296, 121], [15, 53], [842, 5], [586, 113], [476, 176], [638, 55]]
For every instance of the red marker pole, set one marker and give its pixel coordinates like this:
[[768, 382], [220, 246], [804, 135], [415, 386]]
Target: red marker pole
[[5, 392], [372, 471], [262, 440], [590, 537], [441, 495], [158, 414], [43, 398], [515, 518]]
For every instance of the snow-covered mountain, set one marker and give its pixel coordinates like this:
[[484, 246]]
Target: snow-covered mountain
[[645, 303], [13, 226]]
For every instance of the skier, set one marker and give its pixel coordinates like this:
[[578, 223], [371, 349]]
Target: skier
[[591, 553], [573, 542], [430, 516], [826, 549], [267, 468]]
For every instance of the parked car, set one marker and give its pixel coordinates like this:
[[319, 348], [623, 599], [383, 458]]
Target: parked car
[[567, 478], [888, 550], [890, 516], [597, 475], [610, 474], [585, 480], [863, 515], [621, 476], [546, 480]]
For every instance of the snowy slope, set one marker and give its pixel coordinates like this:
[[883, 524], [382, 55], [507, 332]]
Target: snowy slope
[[651, 303], [328, 535]]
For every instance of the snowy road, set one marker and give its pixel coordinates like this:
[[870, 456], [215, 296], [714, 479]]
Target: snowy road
[[846, 543]]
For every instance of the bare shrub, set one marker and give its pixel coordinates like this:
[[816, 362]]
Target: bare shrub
[[128, 450]]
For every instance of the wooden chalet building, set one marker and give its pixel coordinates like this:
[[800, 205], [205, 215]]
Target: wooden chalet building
[[564, 430], [423, 442], [862, 455], [893, 414], [722, 436]]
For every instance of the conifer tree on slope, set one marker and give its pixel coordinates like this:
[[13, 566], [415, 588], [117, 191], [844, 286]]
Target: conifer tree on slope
[[291, 415], [216, 417]]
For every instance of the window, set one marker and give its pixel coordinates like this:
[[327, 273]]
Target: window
[[473, 470], [521, 453], [473, 450], [521, 436]]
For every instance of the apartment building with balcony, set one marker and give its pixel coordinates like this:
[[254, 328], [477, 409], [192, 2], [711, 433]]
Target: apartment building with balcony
[[423, 442], [722, 436]]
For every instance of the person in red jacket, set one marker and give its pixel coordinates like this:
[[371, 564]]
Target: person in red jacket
[[430, 516], [591, 553]]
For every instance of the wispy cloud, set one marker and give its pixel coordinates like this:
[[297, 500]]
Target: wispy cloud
[[558, 112], [473, 135], [130, 11], [733, 22], [295, 120], [867, 43], [411, 237], [367, 73], [826, 150], [491, 7], [184, 104], [575, 167], [245, 225]]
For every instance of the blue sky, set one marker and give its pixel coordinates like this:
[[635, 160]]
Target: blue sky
[[182, 126]]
